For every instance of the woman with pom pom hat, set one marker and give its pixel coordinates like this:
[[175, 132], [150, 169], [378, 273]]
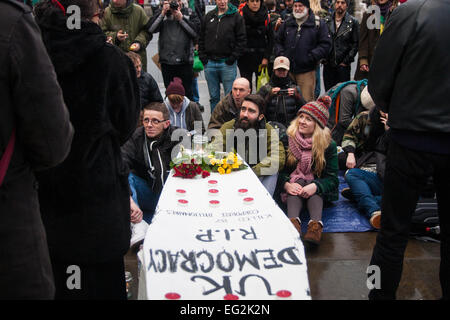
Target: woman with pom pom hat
[[310, 176]]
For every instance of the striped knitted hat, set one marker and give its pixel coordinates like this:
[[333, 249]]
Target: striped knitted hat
[[318, 110]]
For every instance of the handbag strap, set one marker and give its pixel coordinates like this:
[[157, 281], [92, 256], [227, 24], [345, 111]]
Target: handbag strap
[[6, 158]]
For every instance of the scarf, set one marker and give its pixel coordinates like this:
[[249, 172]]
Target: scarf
[[384, 8], [280, 82], [255, 18], [301, 149]]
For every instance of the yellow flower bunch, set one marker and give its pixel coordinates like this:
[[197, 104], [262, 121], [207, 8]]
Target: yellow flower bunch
[[227, 164]]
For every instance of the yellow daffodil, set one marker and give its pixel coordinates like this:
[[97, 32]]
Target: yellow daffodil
[[210, 156], [225, 165], [221, 170], [228, 170], [235, 166]]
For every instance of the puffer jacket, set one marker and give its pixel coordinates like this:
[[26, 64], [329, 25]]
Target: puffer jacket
[[176, 38], [345, 40], [281, 107]]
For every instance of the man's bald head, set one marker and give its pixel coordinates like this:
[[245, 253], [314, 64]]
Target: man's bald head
[[241, 89]]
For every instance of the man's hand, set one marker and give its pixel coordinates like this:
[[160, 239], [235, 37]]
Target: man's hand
[[351, 161], [276, 90], [294, 189], [343, 65], [384, 119], [165, 8], [291, 91], [308, 191], [135, 213], [264, 62], [278, 23], [122, 35], [364, 67], [177, 14], [135, 47]]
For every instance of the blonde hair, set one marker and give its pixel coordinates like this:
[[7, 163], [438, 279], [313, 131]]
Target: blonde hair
[[315, 6], [321, 139]]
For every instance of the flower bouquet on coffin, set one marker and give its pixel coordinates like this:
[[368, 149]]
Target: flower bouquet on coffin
[[225, 163], [190, 166]]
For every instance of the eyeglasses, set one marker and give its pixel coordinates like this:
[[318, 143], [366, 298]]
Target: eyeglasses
[[153, 121]]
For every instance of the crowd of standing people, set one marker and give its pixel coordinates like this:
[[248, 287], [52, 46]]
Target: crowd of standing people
[[101, 159]]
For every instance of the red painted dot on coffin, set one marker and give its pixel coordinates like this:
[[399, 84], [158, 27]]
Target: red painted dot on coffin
[[213, 191], [214, 202], [248, 199], [243, 190], [231, 297], [182, 201], [172, 296], [284, 293], [181, 191], [212, 182]]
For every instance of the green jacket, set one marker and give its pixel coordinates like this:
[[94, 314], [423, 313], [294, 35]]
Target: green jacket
[[357, 134], [131, 19], [275, 155], [328, 182]]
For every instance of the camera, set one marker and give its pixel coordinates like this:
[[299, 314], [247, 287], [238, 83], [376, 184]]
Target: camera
[[173, 5], [284, 92]]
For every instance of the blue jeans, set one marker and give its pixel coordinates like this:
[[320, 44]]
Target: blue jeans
[[317, 89], [217, 72], [269, 182], [366, 188], [195, 95], [143, 195]]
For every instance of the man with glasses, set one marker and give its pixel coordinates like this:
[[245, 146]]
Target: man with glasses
[[147, 155]]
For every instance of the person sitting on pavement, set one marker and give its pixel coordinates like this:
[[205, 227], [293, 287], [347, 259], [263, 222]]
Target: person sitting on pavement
[[282, 95], [147, 154], [184, 114], [228, 108], [365, 179], [251, 123], [351, 98], [310, 176], [356, 146], [148, 88]]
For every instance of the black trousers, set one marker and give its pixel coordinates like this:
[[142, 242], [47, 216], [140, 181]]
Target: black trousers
[[182, 71], [335, 75], [406, 176], [100, 281], [248, 65]]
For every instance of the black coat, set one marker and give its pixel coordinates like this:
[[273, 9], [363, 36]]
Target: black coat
[[281, 107], [409, 75], [306, 50], [148, 89], [176, 38], [160, 151], [85, 201], [223, 38], [32, 103], [345, 40]]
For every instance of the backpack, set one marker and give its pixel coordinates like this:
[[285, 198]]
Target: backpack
[[281, 132], [335, 95]]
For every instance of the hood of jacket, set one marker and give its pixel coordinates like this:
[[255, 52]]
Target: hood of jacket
[[231, 9], [178, 119], [125, 11], [68, 49]]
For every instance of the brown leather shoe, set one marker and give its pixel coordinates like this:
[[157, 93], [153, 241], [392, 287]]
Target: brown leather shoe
[[314, 233], [375, 219], [297, 224]]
